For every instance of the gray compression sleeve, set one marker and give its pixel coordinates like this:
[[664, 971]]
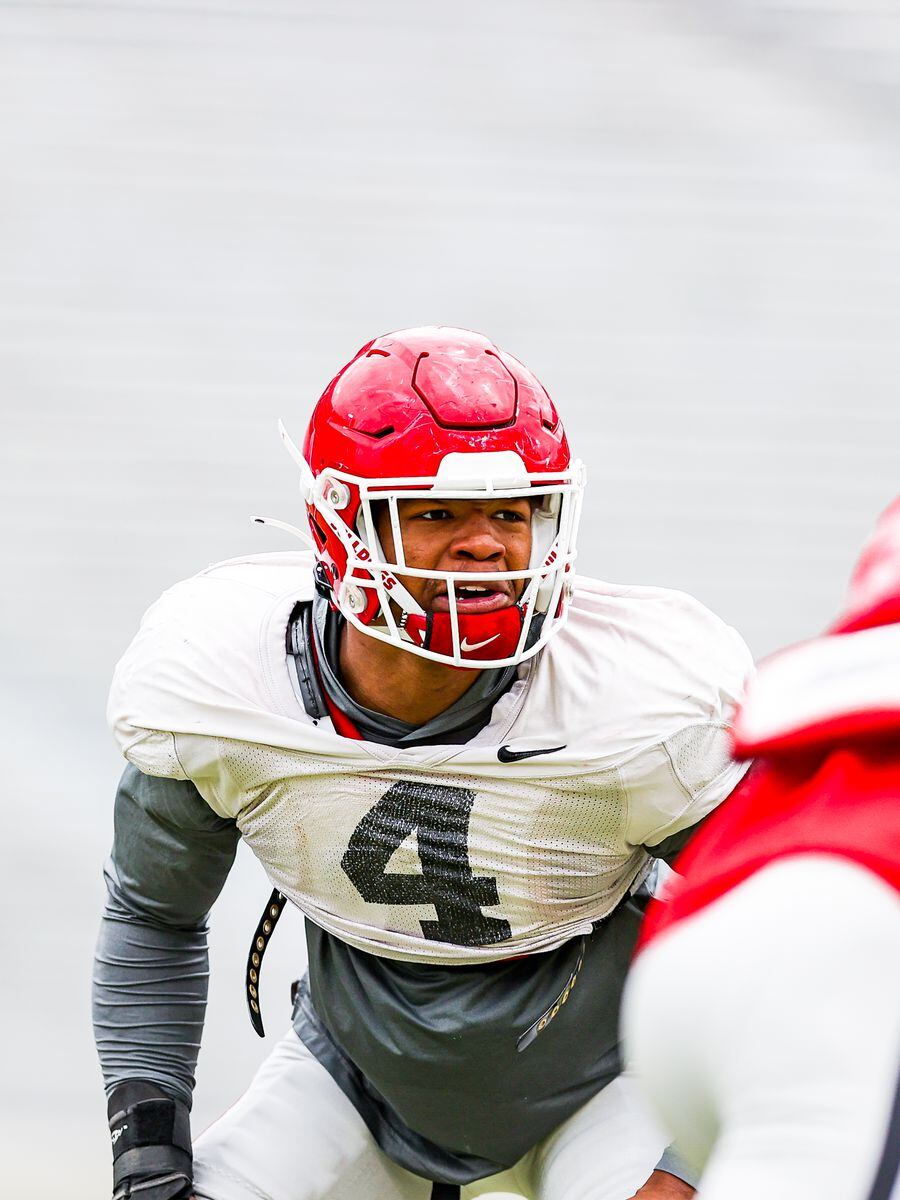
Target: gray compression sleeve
[[171, 855]]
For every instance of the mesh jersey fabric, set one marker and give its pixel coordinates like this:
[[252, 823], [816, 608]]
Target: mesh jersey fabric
[[365, 838]]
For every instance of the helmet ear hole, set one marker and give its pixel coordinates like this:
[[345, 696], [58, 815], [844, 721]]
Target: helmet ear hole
[[319, 534]]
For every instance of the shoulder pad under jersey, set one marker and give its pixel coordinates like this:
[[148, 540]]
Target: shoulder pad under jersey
[[822, 692], [633, 664], [201, 660]]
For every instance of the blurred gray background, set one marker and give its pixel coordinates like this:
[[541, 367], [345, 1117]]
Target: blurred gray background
[[684, 215]]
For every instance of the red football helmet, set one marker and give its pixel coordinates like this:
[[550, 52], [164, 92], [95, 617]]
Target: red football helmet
[[442, 413], [874, 596]]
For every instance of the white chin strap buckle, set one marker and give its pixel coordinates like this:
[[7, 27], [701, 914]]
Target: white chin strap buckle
[[351, 598]]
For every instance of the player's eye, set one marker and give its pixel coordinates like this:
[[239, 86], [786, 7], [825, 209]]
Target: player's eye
[[434, 514], [510, 514]]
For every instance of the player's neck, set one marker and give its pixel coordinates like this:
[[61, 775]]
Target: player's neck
[[389, 680]]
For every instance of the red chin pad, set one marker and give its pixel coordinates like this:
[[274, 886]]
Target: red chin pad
[[482, 636]]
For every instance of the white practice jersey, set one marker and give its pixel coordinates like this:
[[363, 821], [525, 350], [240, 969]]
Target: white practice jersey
[[612, 739]]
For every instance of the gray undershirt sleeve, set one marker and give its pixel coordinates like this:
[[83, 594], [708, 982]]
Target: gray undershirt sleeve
[[171, 855]]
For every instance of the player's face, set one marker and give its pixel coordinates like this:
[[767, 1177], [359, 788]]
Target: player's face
[[462, 535]]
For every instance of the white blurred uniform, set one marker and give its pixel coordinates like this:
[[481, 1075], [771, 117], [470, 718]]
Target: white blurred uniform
[[763, 1010]]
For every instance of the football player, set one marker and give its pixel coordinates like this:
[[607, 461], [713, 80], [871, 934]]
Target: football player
[[460, 761], [764, 1005]]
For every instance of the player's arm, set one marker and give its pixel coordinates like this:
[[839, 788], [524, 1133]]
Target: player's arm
[[675, 789], [664, 1186], [675, 785], [171, 855]]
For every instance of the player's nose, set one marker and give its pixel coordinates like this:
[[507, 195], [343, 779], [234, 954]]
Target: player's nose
[[477, 540]]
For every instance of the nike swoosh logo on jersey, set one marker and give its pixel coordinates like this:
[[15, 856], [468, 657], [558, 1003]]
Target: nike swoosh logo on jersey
[[508, 756], [466, 645]]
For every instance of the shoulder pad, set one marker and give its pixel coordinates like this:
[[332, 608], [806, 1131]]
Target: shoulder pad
[[201, 658], [822, 691]]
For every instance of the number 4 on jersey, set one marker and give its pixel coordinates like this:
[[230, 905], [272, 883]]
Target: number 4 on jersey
[[440, 816]]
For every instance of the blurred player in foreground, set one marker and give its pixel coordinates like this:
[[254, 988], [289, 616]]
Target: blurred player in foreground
[[764, 1005], [459, 762]]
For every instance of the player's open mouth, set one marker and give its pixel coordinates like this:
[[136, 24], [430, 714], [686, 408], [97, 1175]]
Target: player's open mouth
[[476, 597]]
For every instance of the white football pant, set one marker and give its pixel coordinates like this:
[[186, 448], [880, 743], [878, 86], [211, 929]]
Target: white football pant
[[766, 1030], [294, 1135]]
